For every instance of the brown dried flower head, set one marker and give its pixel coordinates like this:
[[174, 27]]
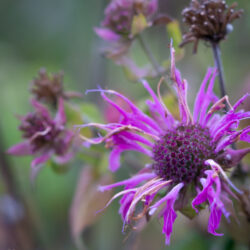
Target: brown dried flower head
[[209, 20], [49, 89]]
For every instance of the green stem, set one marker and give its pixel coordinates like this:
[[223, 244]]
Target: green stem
[[219, 66], [149, 54], [157, 67], [238, 172]]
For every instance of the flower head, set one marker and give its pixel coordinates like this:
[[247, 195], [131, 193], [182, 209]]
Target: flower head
[[119, 16], [193, 151], [49, 89], [44, 137], [209, 20]]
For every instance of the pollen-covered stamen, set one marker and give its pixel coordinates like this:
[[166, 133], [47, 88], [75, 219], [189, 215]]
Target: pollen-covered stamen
[[180, 154]]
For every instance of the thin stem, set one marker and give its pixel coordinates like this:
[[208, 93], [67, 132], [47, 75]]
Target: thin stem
[[149, 54], [238, 172], [219, 66], [153, 61], [22, 232]]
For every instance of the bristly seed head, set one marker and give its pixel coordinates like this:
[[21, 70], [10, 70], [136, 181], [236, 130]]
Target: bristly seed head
[[180, 154], [48, 88], [208, 20]]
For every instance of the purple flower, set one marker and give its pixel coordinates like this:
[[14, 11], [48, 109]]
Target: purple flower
[[44, 137], [191, 153], [123, 21], [119, 16]]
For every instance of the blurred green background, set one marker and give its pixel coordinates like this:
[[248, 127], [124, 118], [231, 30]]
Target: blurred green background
[[58, 35]]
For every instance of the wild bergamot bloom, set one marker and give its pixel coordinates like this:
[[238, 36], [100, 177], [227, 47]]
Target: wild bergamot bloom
[[44, 137], [189, 156], [119, 16]]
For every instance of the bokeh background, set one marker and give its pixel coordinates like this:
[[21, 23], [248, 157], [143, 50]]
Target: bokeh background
[[58, 35]]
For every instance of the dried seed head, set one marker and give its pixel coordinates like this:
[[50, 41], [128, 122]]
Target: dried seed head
[[209, 20], [48, 88]]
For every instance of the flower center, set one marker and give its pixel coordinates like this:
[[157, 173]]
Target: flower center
[[180, 154]]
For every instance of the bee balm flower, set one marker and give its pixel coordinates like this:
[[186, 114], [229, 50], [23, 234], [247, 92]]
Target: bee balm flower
[[119, 16], [191, 153], [44, 137]]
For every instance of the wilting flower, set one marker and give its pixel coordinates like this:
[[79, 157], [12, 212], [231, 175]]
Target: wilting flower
[[119, 16], [44, 137], [124, 19], [49, 89], [209, 20], [188, 156]]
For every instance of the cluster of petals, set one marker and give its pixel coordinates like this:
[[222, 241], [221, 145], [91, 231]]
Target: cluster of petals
[[138, 131], [44, 137], [119, 17]]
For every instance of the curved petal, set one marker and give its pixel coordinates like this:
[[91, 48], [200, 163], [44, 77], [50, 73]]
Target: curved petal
[[63, 159], [22, 148], [213, 197], [107, 34], [131, 182], [37, 164], [181, 86], [158, 107], [169, 214], [201, 95], [60, 118], [41, 109]]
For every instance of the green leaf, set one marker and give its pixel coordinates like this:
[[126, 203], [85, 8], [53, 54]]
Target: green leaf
[[171, 103], [129, 74], [174, 31], [59, 168], [73, 115], [90, 113], [96, 156], [139, 23], [188, 211]]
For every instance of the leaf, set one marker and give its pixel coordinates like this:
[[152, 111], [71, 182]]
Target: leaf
[[88, 200], [171, 103], [139, 23], [189, 212], [58, 168], [174, 31], [90, 113]]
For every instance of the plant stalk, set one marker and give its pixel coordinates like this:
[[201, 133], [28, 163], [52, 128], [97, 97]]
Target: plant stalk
[[20, 233], [157, 67], [149, 54], [219, 66], [238, 172]]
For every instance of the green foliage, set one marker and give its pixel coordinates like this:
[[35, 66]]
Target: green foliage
[[139, 23], [174, 32]]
